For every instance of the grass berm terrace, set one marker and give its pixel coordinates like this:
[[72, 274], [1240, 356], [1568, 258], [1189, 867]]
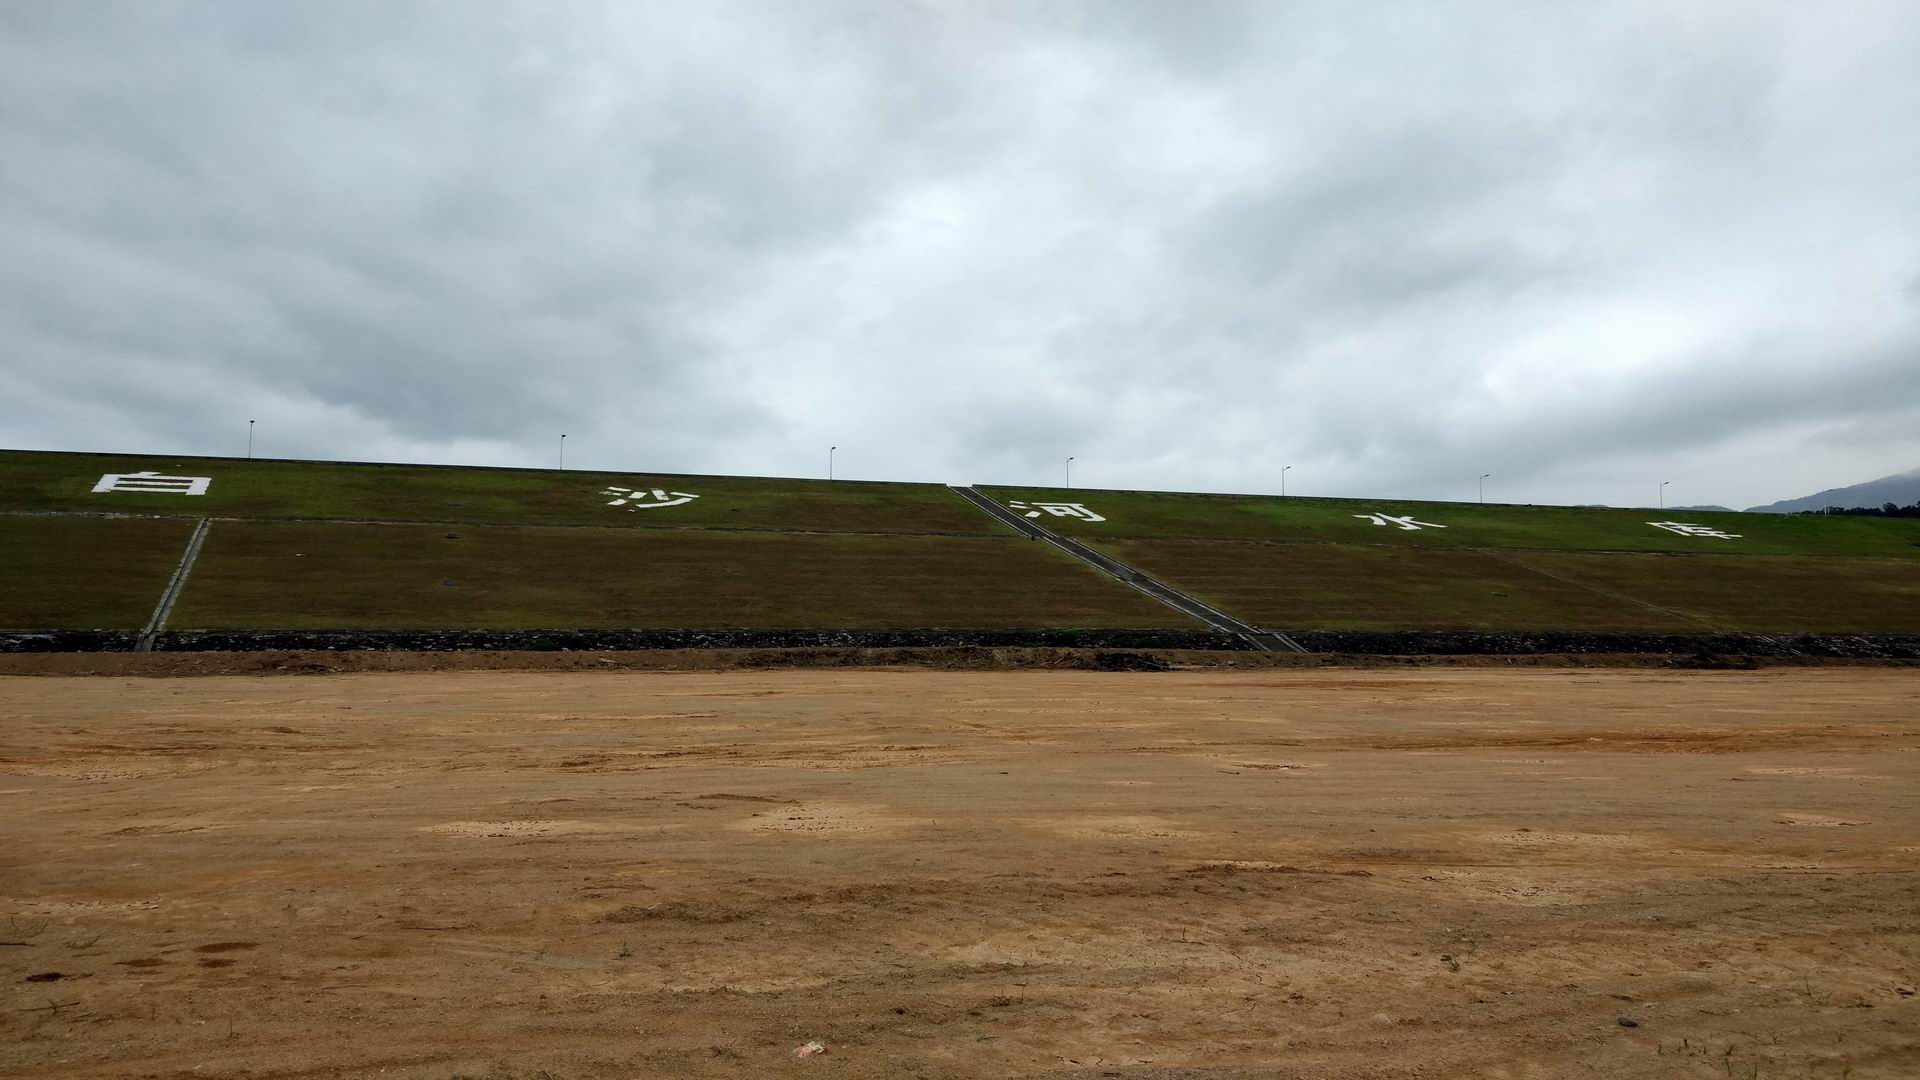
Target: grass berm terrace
[[307, 545]]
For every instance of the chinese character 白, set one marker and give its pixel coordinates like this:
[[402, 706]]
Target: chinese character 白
[[1694, 530], [154, 482], [646, 498], [1057, 509], [1407, 523]]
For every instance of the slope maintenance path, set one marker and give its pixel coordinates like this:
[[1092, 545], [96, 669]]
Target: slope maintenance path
[[1264, 640]]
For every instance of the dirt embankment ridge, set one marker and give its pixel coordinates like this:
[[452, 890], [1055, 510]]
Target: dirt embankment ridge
[[939, 658], [209, 652]]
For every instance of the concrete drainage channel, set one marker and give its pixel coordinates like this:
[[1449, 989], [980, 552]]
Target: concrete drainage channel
[[1262, 640], [151, 632]]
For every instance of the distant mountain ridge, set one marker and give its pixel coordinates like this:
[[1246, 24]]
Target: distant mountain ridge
[[1901, 488]]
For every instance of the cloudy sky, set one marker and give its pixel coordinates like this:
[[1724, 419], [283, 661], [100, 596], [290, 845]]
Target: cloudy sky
[[1584, 247]]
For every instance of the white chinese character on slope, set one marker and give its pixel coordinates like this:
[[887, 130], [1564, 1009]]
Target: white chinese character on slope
[[1407, 524], [154, 482], [1694, 530], [646, 498], [1057, 509]]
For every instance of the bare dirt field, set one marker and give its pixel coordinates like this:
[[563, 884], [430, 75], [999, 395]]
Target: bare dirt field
[[1226, 874]]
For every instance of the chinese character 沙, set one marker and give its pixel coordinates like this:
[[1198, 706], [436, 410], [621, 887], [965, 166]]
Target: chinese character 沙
[[646, 498]]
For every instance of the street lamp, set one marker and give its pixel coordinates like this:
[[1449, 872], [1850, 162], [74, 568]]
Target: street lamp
[[1663, 493], [249, 440], [1283, 482], [1069, 474], [830, 451], [1483, 488]]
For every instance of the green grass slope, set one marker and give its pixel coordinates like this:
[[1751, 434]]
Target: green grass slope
[[1781, 595], [1154, 515], [1381, 587], [298, 575], [1372, 587], [85, 573], [295, 546], [283, 489]]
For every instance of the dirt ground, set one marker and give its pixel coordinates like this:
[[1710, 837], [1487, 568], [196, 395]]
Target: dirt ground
[[1223, 874]]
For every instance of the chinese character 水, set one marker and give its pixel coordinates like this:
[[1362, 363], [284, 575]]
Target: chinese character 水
[[1057, 509], [154, 482], [1407, 523], [1693, 530]]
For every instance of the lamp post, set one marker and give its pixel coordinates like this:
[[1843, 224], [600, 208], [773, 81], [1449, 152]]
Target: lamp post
[[249, 440], [1663, 493], [563, 453], [1483, 488], [830, 451], [1283, 482], [1069, 474]]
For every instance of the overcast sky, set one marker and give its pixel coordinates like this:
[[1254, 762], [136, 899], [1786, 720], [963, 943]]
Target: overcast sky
[[1584, 247]]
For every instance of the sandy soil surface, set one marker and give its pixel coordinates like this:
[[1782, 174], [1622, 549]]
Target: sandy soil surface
[[1295, 873]]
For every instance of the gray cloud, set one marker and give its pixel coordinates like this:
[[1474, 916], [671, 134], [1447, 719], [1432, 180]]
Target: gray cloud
[[1584, 249]]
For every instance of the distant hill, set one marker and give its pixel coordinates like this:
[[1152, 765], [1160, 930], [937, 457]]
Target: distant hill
[[1709, 506], [1901, 488]]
